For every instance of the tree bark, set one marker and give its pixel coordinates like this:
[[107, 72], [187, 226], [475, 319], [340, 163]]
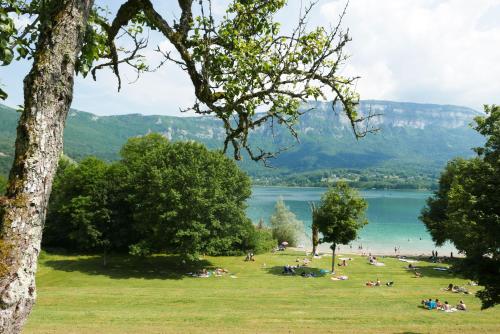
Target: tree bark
[[48, 92], [315, 238], [333, 247]]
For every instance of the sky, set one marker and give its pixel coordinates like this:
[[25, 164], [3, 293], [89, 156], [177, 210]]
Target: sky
[[426, 51]]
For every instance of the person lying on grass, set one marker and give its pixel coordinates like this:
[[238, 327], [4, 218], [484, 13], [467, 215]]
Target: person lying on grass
[[456, 289], [220, 271], [372, 283]]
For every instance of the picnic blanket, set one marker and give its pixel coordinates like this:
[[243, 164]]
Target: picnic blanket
[[408, 260]]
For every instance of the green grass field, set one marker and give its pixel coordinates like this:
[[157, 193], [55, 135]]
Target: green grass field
[[76, 294]]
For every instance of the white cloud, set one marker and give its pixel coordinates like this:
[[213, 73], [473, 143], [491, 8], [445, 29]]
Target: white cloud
[[424, 50], [438, 51], [164, 91]]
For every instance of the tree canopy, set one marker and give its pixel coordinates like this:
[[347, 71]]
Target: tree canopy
[[339, 216], [162, 196], [465, 209], [285, 225], [237, 63]]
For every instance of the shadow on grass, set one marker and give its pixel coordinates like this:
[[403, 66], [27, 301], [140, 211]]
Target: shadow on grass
[[426, 268], [279, 271], [123, 267], [429, 271]]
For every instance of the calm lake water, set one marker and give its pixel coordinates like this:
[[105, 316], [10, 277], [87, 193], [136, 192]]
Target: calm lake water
[[392, 215]]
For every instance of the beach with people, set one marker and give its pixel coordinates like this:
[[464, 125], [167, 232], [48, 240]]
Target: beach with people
[[393, 226]]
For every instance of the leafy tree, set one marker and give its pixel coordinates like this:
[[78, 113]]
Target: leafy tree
[[261, 225], [465, 209], [185, 198], [80, 215], [236, 64], [285, 226], [339, 216], [139, 203]]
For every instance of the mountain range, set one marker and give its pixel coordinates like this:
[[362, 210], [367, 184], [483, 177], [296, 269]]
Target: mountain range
[[418, 138]]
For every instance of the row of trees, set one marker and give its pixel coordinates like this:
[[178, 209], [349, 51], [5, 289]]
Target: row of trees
[[161, 196], [465, 210]]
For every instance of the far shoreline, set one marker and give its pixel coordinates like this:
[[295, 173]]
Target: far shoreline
[[326, 187]]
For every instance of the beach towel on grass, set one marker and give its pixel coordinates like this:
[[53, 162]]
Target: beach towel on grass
[[408, 260], [378, 264]]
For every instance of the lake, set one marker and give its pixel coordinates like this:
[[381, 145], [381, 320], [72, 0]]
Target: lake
[[392, 215]]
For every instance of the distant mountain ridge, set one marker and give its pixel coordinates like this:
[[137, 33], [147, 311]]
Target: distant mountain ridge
[[411, 135]]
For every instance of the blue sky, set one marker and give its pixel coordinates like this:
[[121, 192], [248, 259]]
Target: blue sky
[[428, 51]]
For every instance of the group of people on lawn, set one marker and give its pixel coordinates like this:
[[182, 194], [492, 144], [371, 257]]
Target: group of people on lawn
[[437, 305]]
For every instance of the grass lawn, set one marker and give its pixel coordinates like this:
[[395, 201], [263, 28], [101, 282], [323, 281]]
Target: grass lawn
[[76, 294]]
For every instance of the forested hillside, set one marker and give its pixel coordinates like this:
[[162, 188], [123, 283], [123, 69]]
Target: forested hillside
[[413, 142]]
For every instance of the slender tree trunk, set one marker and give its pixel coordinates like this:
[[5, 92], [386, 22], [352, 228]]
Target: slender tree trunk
[[333, 247], [48, 92], [315, 237]]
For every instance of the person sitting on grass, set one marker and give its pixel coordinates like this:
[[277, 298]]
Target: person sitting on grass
[[417, 274], [288, 270], [439, 305], [461, 306], [378, 283], [429, 304]]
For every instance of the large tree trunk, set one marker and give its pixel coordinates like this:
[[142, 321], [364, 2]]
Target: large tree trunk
[[48, 91]]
